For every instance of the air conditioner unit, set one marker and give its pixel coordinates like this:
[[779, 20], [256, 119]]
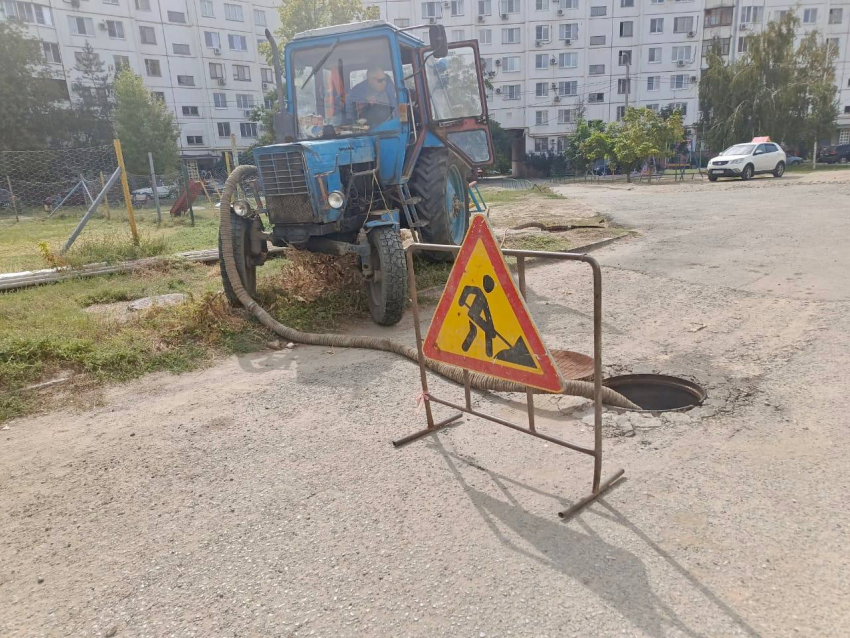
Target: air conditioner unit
[[553, 61], [432, 20], [498, 62], [102, 25], [538, 43], [481, 18], [217, 51], [743, 27], [694, 78], [222, 81], [680, 63], [504, 16], [248, 112], [560, 12], [265, 85], [568, 42], [692, 34], [557, 98], [499, 90], [447, 4]]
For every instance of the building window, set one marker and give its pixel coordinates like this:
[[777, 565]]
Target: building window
[[457, 35], [510, 64], [259, 17], [244, 101], [267, 76], [81, 26], [627, 3], [181, 49], [510, 6], [27, 12], [541, 118], [541, 61], [485, 36], [624, 86], [682, 54], [158, 96], [512, 91], [233, 12], [186, 80], [834, 43], [147, 35], [624, 58], [51, 52], [751, 15], [847, 110], [541, 89], [220, 100], [598, 12], [248, 129], [683, 25], [237, 42], [596, 69], [541, 33], [653, 107], [78, 57], [569, 4], [177, 17], [457, 8], [223, 129], [719, 17], [568, 60], [656, 25], [191, 111], [207, 9], [541, 5], [679, 82], [682, 107], [152, 68], [485, 7], [567, 87], [212, 40], [431, 10], [143, 5], [241, 72], [568, 31], [836, 16], [566, 116], [743, 44], [718, 45], [194, 140], [621, 112], [597, 40], [653, 82], [627, 29], [844, 136], [401, 23], [115, 29], [511, 36], [216, 70], [595, 98], [654, 54], [810, 16]]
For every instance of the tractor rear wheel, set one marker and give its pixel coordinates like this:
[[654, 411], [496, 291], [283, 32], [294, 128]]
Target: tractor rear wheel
[[440, 179], [245, 262], [386, 288]]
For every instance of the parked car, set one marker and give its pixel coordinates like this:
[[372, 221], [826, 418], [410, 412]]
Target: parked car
[[837, 154], [162, 190], [746, 160], [77, 198], [793, 160], [5, 198]]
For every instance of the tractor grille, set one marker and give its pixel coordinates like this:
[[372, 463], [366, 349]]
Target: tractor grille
[[283, 173], [290, 209]]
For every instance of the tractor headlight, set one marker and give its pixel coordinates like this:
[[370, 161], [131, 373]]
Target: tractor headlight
[[336, 199], [242, 208]]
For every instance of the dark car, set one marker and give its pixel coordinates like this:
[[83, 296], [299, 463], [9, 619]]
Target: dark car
[[838, 154], [78, 198]]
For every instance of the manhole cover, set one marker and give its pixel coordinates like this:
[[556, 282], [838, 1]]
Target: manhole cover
[[658, 392], [573, 366]]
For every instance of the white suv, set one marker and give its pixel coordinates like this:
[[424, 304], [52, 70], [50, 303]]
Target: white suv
[[746, 160]]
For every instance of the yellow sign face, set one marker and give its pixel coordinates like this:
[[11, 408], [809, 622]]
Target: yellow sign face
[[482, 323]]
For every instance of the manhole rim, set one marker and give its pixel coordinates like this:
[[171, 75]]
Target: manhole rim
[[691, 387]]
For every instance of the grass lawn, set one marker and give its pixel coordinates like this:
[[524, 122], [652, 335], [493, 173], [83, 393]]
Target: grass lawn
[[806, 167]]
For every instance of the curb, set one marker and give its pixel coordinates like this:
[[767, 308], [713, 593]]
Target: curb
[[587, 248]]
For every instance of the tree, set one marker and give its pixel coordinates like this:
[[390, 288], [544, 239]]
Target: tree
[[302, 15], [641, 134], [584, 129], [502, 142], [93, 109], [598, 145], [264, 115], [143, 124], [775, 89], [31, 112]]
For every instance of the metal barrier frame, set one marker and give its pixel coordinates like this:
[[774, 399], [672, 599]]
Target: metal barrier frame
[[598, 486]]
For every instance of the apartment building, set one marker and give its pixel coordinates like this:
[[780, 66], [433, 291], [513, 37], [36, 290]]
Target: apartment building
[[200, 57], [549, 59]]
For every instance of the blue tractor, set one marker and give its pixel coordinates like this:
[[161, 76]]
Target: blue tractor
[[377, 131]]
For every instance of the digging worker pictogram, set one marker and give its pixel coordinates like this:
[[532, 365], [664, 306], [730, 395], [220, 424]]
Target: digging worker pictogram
[[479, 314]]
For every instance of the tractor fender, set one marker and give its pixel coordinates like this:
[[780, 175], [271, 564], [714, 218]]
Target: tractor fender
[[386, 218]]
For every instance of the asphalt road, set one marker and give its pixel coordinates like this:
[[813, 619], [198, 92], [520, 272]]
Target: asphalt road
[[262, 497]]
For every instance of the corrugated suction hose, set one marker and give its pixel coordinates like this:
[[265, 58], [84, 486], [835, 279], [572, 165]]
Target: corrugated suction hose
[[478, 381]]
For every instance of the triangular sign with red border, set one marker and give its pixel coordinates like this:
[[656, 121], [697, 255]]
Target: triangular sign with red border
[[482, 323]]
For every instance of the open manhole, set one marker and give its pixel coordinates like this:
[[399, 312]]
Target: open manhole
[[657, 392]]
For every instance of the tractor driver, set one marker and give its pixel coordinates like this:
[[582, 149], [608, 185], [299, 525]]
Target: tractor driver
[[374, 99]]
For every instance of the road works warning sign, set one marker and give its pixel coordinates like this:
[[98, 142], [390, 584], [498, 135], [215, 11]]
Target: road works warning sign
[[482, 323]]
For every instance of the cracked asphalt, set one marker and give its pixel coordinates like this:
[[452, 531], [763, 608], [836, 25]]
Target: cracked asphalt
[[262, 497]]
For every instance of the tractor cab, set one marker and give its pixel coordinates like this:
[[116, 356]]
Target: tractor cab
[[376, 131]]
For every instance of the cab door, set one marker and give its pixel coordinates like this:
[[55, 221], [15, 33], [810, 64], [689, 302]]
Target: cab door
[[456, 102]]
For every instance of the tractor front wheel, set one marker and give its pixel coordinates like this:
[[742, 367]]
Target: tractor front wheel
[[386, 286], [440, 179], [246, 264]]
